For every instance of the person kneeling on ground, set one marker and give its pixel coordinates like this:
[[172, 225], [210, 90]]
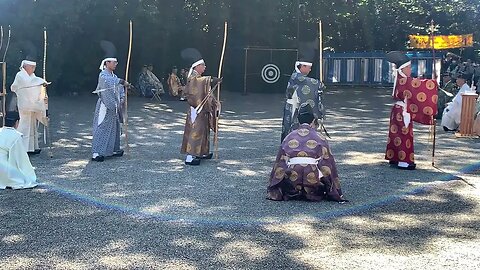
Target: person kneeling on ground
[[16, 171], [305, 168]]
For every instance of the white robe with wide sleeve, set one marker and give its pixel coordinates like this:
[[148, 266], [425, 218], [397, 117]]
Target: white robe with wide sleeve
[[31, 106], [452, 113], [16, 171]]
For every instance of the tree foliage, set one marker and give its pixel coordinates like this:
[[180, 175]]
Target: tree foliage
[[163, 27]]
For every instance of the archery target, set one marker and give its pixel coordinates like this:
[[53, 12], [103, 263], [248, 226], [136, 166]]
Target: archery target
[[270, 73]]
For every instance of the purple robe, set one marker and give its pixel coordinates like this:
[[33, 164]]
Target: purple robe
[[313, 182]]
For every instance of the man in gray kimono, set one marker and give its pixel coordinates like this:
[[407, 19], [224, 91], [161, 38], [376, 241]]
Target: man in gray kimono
[[108, 112], [302, 89]]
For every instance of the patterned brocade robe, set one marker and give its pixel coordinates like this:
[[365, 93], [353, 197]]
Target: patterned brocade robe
[[198, 123], [311, 182], [416, 100], [108, 114], [301, 89], [174, 85]]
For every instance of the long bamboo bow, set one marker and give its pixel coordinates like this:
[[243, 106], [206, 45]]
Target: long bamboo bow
[[125, 115], [4, 73], [46, 127], [217, 115]]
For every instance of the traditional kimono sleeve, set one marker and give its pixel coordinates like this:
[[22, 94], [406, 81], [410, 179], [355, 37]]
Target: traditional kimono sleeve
[[196, 89], [18, 158], [17, 83], [330, 179], [422, 100], [280, 167], [108, 96], [122, 92], [321, 108]]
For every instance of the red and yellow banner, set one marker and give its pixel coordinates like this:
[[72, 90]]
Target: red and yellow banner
[[441, 42]]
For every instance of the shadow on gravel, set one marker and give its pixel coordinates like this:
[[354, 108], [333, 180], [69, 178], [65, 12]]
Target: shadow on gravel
[[152, 178], [42, 229]]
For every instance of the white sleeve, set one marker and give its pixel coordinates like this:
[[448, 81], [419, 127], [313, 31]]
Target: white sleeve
[[19, 159], [295, 102]]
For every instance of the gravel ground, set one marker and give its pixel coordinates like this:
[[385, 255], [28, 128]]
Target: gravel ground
[[148, 210]]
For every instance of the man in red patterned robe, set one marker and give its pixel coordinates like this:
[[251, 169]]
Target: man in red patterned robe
[[416, 100]]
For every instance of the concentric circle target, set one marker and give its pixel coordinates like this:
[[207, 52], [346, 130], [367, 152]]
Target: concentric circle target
[[270, 73]]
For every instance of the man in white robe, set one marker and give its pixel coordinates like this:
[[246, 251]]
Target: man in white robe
[[16, 171], [452, 113], [31, 96]]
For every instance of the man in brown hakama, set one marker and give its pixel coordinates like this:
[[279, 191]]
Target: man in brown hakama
[[200, 115]]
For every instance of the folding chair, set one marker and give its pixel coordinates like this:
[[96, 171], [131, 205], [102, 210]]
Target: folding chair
[[156, 94]]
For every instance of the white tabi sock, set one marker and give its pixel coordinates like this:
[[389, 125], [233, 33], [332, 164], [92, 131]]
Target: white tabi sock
[[189, 158], [403, 164], [95, 155]]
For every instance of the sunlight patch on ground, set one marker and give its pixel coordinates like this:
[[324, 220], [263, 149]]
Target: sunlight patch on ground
[[13, 239], [191, 243], [230, 162], [224, 235], [116, 245], [246, 172], [213, 210], [308, 235], [70, 265], [81, 163], [166, 205], [65, 213], [133, 260], [396, 221], [115, 194], [237, 251], [16, 262], [303, 230], [423, 184], [64, 143], [360, 158]]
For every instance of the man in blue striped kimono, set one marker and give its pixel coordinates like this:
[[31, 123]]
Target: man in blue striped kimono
[[108, 112]]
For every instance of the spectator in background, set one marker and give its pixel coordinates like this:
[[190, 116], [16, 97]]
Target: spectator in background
[[174, 85], [149, 83]]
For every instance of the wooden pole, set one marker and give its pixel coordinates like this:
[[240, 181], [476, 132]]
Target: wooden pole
[[44, 53], [3, 95], [46, 128], [434, 125], [4, 75], [1, 37], [4, 92], [245, 72], [125, 115], [320, 43], [217, 115], [8, 43]]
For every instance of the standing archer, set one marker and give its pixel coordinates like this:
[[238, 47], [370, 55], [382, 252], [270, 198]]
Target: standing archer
[[31, 97], [108, 112], [202, 110], [302, 89]]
